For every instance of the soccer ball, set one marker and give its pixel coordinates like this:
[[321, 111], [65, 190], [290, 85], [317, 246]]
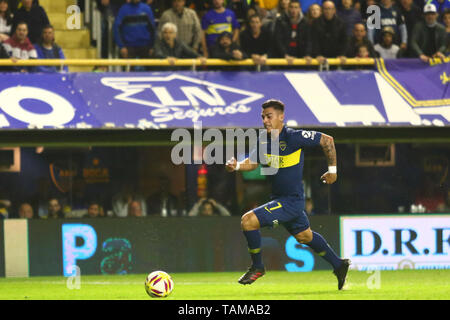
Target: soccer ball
[[158, 284]]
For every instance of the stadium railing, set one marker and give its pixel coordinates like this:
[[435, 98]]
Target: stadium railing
[[193, 63]]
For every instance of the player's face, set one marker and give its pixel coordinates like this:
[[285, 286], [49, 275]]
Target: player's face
[[272, 119]]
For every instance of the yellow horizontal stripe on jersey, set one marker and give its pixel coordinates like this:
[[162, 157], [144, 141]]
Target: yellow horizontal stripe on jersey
[[283, 161], [218, 28]]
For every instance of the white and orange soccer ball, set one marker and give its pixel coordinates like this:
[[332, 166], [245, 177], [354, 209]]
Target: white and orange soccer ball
[[158, 284]]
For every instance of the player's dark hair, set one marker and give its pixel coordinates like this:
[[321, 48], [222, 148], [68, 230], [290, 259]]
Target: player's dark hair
[[273, 103]]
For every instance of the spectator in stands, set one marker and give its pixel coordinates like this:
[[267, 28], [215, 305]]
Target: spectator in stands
[[263, 7], [35, 17], [4, 55], [240, 7], [446, 22], [363, 52], [358, 39], [329, 38], [313, 13], [200, 6], [412, 14], [430, 195], [135, 209], [390, 16], [5, 206], [279, 10], [445, 207], [349, 15], [20, 47], [441, 5], [54, 209], [134, 30], [291, 40], [6, 19], [17, 4], [306, 4], [429, 38], [108, 9], [168, 46], [46, 48], [95, 210], [208, 207], [121, 201], [387, 49], [26, 211], [227, 49], [254, 41], [187, 22], [216, 21], [163, 202], [364, 4]]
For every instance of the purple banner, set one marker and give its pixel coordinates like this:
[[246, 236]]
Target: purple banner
[[226, 99]]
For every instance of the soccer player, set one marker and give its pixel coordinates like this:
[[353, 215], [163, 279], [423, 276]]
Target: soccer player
[[287, 201]]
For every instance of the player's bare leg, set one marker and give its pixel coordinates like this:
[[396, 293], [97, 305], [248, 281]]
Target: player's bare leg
[[250, 227], [323, 249]]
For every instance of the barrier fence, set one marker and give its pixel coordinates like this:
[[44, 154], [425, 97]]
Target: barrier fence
[[137, 245]]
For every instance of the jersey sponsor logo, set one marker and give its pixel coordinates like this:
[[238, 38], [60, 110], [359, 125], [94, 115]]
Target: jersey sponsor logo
[[308, 134], [289, 160]]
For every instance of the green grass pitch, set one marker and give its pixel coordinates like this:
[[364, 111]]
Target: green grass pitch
[[275, 285]]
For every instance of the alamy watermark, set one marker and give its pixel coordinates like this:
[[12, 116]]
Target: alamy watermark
[[374, 280], [374, 18], [263, 149], [73, 22], [74, 281]]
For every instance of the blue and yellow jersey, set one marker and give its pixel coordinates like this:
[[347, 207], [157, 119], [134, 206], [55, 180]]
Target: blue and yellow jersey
[[214, 23], [289, 161]]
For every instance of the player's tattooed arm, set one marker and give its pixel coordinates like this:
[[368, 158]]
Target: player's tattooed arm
[[329, 149], [327, 143]]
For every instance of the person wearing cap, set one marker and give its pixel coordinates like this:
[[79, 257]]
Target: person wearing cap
[[387, 49], [390, 16], [428, 38]]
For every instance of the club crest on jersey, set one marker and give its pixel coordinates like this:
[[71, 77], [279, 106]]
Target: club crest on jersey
[[283, 145]]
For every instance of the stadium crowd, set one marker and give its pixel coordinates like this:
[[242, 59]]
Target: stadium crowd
[[240, 29]]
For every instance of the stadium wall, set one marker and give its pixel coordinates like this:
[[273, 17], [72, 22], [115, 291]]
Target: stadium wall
[[133, 245], [139, 245], [2, 251]]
